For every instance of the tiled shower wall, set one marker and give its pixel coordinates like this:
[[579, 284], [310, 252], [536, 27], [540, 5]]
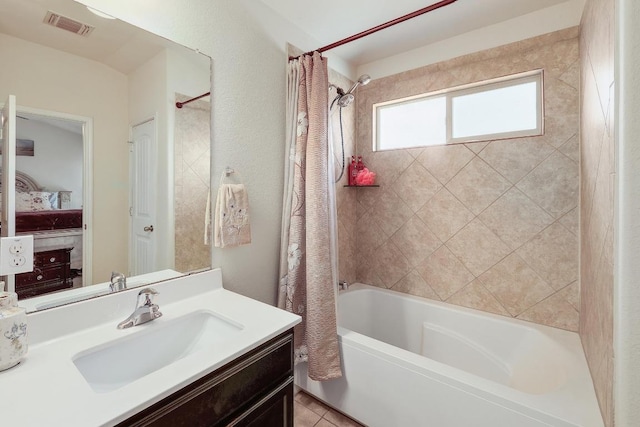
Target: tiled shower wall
[[597, 189], [492, 225], [192, 165]]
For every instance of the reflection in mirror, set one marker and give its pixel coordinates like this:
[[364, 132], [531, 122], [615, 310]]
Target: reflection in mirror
[[111, 176]]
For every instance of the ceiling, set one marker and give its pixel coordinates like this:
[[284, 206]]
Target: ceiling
[[113, 42], [332, 20], [72, 126]]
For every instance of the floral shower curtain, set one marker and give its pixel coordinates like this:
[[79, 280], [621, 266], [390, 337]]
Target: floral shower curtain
[[307, 267]]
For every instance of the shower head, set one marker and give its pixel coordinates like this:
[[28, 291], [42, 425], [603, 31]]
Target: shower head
[[362, 80], [348, 97]]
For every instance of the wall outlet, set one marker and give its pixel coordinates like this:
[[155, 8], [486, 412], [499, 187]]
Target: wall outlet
[[16, 255]]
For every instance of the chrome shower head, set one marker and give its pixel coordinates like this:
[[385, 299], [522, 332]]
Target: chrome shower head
[[347, 98], [362, 80]]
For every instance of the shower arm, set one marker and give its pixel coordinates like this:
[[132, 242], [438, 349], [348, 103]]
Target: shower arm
[[380, 27]]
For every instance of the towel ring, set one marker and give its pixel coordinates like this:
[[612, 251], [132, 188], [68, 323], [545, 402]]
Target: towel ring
[[227, 172]]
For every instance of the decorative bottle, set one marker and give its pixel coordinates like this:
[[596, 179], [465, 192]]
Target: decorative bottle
[[13, 331], [352, 171]]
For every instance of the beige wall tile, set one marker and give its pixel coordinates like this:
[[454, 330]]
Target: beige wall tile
[[389, 264], [477, 185], [514, 218], [515, 285], [415, 240], [370, 236], [551, 254], [559, 99], [192, 165], [572, 75], [554, 311], [445, 161], [477, 247], [414, 284], [387, 165], [416, 186], [477, 147], [445, 215], [571, 148], [570, 221], [559, 128], [553, 185], [365, 274], [444, 273], [391, 212], [475, 295], [515, 158]]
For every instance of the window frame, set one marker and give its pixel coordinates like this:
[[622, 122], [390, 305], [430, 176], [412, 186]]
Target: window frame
[[536, 76]]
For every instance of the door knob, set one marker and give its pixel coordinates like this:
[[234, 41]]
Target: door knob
[[149, 228]]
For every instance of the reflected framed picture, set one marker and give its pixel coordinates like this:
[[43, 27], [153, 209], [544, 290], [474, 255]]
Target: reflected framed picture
[[24, 147]]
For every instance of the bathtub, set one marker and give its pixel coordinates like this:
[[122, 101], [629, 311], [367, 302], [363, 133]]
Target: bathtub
[[409, 361]]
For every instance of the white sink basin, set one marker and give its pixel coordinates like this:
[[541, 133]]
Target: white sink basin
[[158, 344]]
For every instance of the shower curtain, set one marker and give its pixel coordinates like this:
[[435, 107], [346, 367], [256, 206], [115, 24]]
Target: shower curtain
[[308, 275]]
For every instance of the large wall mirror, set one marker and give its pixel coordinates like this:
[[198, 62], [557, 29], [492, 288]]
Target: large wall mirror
[[110, 175]]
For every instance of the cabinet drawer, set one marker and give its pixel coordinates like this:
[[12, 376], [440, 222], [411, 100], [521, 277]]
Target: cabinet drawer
[[275, 410], [43, 259], [218, 398], [41, 275], [32, 290]]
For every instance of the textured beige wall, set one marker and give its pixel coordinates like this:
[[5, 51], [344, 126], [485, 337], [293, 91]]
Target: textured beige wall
[[597, 186], [492, 225], [192, 150]]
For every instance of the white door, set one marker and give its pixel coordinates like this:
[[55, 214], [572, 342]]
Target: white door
[[8, 119], [142, 252]]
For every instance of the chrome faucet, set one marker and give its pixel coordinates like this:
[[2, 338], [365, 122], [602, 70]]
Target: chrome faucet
[[118, 282], [145, 311], [343, 285]]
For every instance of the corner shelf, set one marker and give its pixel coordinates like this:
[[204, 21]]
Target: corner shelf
[[361, 186]]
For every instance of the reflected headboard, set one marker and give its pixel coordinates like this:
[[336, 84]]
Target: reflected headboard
[[24, 183]]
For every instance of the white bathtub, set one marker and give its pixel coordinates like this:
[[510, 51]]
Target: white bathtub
[[409, 362]]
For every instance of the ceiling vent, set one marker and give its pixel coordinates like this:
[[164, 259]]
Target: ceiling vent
[[67, 24]]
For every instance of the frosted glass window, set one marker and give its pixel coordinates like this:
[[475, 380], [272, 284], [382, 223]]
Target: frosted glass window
[[496, 111], [506, 107], [415, 123]]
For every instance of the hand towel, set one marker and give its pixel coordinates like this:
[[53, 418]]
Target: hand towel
[[232, 226]]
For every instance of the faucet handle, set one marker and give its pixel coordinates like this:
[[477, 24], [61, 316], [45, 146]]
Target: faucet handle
[[148, 291], [148, 294], [115, 276], [118, 281]]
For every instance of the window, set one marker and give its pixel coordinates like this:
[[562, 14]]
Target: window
[[507, 107]]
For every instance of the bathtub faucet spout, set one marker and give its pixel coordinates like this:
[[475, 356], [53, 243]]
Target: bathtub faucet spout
[[343, 285]]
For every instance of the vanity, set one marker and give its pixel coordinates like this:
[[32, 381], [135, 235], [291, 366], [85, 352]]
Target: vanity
[[214, 358]]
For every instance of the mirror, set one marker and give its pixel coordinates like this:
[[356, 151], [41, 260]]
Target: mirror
[[110, 174]]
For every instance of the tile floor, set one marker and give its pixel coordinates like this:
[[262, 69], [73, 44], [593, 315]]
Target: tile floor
[[309, 412]]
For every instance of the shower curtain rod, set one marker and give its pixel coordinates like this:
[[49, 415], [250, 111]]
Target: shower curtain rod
[[380, 27], [181, 104]]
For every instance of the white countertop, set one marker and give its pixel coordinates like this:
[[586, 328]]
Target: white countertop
[[46, 389]]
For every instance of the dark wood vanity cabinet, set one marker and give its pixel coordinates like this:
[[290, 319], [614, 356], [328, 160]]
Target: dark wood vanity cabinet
[[51, 272], [254, 390]]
